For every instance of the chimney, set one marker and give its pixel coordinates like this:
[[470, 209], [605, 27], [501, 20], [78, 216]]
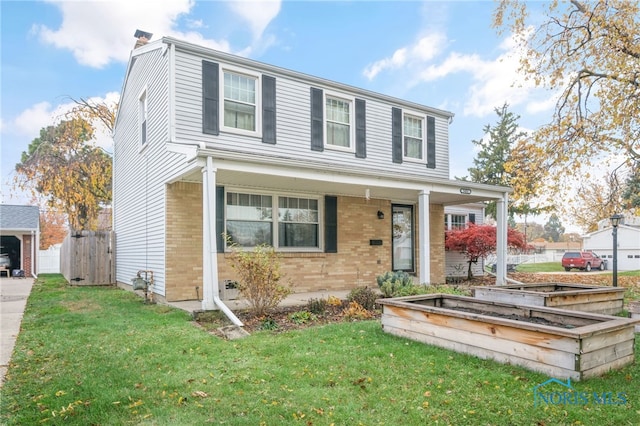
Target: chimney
[[143, 38]]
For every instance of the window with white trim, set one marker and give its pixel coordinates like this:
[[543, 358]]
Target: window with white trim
[[142, 117], [241, 102], [297, 222], [413, 137], [456, 221], [280, 221], [338, 122], [249, 219]]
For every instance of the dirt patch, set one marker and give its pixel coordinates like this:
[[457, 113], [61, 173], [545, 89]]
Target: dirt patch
[[81, 307]]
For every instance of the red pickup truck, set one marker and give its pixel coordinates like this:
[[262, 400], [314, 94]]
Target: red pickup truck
[[583, 260]]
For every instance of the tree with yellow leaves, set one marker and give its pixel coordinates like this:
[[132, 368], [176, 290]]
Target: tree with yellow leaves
[[589, 51], [69, 170]]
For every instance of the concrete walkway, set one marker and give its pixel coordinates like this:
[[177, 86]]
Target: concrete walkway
[[13, 299]]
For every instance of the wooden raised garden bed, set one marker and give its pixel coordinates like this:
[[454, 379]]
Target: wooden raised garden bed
[[558, 342], [576, 297]]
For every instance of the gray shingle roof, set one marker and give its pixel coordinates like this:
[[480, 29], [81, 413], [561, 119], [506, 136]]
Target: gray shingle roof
[[19, 217]]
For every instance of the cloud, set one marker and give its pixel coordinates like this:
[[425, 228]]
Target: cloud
[[257, 13], [99, 32], [30, 121], [424, 50], [490, 81]]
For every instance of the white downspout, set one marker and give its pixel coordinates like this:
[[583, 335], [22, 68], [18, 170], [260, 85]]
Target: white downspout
[[210, 290], [35, 247], [424, 237]]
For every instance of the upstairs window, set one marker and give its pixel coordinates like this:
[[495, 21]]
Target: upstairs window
[[142, 117], [338, 122], [241, 102], [413, 137]]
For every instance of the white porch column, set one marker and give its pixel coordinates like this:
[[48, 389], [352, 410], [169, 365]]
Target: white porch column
[[209, 256], [424, 237], [501, 243]]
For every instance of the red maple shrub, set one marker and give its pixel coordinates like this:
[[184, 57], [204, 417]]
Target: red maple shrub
[[479, 241]]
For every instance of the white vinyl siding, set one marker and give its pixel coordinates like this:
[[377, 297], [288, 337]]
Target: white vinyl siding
[[293, 124], [142, 117], [139, 175]]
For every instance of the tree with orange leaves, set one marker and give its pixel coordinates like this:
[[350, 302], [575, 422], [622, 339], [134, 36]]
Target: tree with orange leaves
[[53, 228], [66, 167]]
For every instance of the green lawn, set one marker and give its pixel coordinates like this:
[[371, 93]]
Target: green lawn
[[101, 356]]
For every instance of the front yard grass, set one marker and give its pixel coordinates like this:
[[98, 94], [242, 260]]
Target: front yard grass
[[96, 355]]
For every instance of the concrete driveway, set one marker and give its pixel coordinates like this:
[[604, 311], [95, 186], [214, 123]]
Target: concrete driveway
[[13, 299]]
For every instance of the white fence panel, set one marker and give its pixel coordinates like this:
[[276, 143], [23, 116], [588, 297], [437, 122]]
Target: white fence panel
[[49, 260]]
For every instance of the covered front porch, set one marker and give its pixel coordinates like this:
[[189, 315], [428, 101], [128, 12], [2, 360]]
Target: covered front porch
[[369, 206]]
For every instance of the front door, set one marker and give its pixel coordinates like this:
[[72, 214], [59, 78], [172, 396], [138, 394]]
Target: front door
[[403, 238]]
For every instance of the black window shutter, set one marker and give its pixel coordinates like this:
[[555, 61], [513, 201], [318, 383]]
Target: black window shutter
[[317, 143], [472, 218], [361, 128], [330, 224], [431, 142], [210, 98], [268, 109], [396, 134], [220, 243]]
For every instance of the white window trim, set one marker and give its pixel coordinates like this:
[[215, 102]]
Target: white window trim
[[246, 73], [143, 115], [274, 215], [352, 120], [422, 117]]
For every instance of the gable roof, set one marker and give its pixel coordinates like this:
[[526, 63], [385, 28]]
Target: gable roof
[[19, 217]]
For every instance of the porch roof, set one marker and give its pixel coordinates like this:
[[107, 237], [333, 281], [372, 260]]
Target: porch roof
[[274, 173]]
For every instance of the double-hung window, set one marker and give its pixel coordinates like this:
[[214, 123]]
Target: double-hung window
[[413, 137], [297, 222], [249, 219], [279, 221], [457, 221], [241, 105], [338, 122]]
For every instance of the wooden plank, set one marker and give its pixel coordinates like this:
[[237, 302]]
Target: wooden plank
[[478, 342], [614, 365], [606, 355], [511, 331], [611, 307], [552, 371], [605, 339], [513, 297]]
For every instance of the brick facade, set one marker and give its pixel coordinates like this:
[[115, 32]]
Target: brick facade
[[356, 264]]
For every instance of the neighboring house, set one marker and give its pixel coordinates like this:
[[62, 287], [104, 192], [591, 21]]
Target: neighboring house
[[345, 183], [461, 216], [20, 236], [555, 250], [601, 242]]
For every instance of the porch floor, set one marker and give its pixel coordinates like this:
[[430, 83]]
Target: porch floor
[[295, 299]]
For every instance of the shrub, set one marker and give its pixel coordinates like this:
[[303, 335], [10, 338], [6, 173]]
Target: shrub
[[356, 312], [268, 324], [396, 284], [364, 296], [317, 306], [334, 301], [259, 277], [302, 317]]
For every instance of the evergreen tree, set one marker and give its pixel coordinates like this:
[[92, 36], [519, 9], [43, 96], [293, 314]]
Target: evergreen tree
[[553, 229]]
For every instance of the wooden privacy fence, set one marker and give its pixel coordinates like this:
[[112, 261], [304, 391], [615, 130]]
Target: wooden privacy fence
[[87, 257]]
